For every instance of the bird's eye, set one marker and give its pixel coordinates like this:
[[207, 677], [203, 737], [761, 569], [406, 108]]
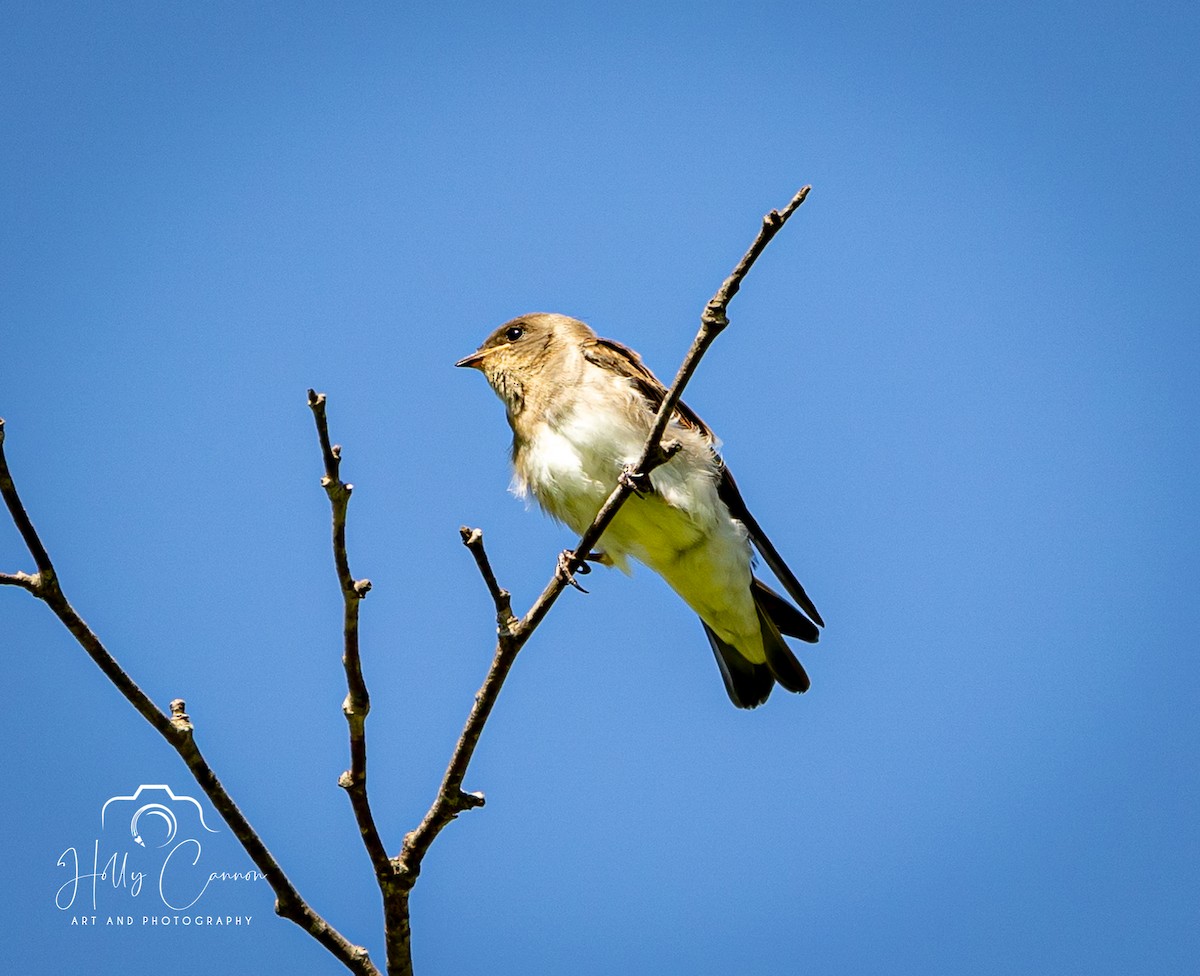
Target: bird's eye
[[513, 334]]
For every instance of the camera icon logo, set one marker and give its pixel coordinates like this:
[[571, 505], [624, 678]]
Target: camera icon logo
[[156, 813]]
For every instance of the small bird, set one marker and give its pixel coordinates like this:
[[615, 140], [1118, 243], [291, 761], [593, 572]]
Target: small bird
[[581, 408]]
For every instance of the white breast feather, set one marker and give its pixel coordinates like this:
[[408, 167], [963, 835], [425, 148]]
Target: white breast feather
[[683, 532]]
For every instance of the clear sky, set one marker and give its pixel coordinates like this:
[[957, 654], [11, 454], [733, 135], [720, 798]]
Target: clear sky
[[960, 392]]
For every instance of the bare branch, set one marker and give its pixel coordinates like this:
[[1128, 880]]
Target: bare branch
[[288, 902], [20, 518], [451, 799], [178, 731], [23, 580], [473, 540], [397, 876], [512, 634], [357, 705], [772, 224]]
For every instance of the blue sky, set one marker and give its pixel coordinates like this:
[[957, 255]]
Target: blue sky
[[959, 392]]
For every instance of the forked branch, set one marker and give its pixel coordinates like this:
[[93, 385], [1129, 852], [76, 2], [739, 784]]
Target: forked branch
[[512, 633], [177, 729], [396, 876]]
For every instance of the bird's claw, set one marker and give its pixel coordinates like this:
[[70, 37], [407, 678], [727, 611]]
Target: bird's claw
[[635, 481], [567, 568]]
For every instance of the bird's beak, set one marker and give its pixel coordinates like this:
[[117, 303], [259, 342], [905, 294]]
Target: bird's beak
[[474, 360]]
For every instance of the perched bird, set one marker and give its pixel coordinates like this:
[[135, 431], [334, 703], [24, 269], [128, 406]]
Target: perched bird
[[580, 408]]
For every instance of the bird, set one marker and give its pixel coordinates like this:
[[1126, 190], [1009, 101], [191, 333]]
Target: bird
[[581, 408]]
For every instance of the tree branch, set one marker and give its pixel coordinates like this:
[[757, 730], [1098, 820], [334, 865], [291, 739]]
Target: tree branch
[[397, 928], [358, 702], [20, 518], [23, 580], [473, 540], [451, 799], [177, 729], [396, 876], [511, 633]]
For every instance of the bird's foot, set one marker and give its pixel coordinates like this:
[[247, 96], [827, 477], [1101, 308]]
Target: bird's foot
[[568, 567], [635, 481], [603, 558]]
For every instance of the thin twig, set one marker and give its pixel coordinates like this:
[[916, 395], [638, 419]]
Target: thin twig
[[177, 729], [20, 518], [23, 580], [358, 702], [452, 799], [512, 634], [356, 707], [473, 540]]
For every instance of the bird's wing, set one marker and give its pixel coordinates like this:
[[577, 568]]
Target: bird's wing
[[727, 491], [623, 361]]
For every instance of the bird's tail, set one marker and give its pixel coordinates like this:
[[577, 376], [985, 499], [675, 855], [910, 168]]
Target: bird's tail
[[749, 684]]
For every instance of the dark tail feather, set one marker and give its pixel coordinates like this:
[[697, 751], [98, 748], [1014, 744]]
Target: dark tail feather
[[780, 660], [727, 489], [787, 618], [781, 570], [747, 684]]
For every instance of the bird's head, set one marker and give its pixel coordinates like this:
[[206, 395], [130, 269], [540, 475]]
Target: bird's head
[[527, 357]]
